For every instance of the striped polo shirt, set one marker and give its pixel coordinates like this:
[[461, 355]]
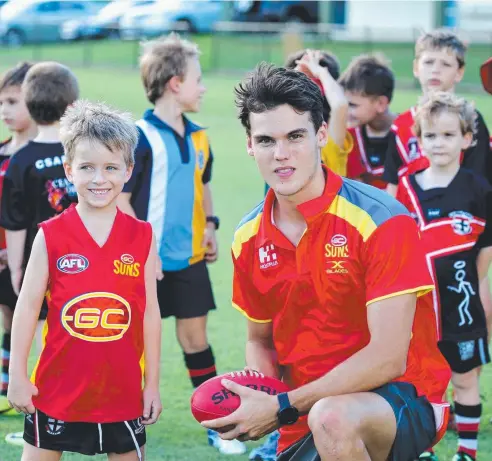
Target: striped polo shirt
[[167, 187]]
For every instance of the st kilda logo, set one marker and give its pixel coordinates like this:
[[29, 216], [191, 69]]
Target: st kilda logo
[[97, 317], [72, 263]]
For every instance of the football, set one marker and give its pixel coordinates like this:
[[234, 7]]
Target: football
[[211, 400]]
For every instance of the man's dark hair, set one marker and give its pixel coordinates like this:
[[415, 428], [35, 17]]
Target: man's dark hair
[[15, 76], [327, 60], [370, 76], [269, 86], [49, 88]]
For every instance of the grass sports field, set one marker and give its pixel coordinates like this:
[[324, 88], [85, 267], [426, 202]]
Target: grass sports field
[[237, 188]]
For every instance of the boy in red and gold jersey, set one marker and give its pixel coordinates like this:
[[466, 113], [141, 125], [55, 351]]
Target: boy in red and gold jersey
[[98, 266]]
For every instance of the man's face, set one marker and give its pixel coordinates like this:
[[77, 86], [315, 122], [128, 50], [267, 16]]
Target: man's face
[[438, 70], [286, 148]]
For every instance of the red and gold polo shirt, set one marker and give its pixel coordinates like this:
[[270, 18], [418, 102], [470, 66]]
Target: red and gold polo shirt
[[360, 246]]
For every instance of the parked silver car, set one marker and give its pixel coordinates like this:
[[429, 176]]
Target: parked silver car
[[33, 21]]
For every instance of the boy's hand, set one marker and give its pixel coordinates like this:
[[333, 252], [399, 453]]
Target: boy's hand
[[309, 64], [16, 279], [159, 274], [152, 406], [20, 395], [210, 243]]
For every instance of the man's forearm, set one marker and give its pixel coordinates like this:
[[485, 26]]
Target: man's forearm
[[364, 371], [262, 358], [16, 242]]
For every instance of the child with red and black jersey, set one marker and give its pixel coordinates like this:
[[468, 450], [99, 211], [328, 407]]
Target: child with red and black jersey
[[368, 83], [15, 116], [439, 65], [98, 266], [453, 208]]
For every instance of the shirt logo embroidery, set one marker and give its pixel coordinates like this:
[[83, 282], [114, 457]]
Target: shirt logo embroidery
[[126, 266], [268, 257], [72, 263], [336, 253], [461, 222]]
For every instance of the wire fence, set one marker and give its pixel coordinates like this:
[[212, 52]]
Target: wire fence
[[237, 47]]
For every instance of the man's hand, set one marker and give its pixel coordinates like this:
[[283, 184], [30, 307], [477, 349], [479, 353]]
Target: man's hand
[[152, 406], [20, 394], [210, 243], [309, 64], [255, 417], [16, 279]]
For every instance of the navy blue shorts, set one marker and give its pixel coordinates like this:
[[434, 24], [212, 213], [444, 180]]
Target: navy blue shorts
[[415, 433]]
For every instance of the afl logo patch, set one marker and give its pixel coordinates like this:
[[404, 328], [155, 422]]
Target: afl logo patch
[[339, 240], [72, 263], [127, 259]]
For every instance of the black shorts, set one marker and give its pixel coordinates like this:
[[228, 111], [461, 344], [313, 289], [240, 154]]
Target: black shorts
[[85, 438], [415, 433], [9, 298], [187, 293], [7, 295], [464, 356]]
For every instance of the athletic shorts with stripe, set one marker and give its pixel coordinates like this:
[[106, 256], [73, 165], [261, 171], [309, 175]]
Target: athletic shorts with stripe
[[42, 431]]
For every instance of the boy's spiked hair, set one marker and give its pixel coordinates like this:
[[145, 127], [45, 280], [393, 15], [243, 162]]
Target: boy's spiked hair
[[441, 39]]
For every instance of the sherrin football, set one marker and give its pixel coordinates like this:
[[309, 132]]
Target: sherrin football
[[211, 400]]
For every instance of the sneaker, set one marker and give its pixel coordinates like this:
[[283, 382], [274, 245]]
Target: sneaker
[[15, 438], [461, 456], [5, 408], [428, 456], [267, 451], [226, 447]]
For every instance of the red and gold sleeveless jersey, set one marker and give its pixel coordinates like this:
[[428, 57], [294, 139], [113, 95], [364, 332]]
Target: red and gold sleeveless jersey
[[90, 366]]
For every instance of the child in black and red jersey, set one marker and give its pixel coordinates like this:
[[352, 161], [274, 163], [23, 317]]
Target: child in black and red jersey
[[453, 207], [439, 65], [368, 83], [15, 116]]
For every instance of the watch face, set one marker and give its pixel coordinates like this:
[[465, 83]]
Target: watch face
[[289, 415]]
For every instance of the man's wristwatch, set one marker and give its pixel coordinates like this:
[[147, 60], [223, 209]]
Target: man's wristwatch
[[215, 220], [287, 414]]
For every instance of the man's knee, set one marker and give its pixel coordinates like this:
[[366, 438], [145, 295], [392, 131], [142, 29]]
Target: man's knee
[[330, 418]]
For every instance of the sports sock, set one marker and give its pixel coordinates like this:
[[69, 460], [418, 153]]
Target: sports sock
[[5, 356], [201, 366], [467, 423]]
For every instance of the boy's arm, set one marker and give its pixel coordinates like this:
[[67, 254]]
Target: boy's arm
[[152, 342], [337, 125], [16, 241], [24, 324], [391, 165], [209, 239]]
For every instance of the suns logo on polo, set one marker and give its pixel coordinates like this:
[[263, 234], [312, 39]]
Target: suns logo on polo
[[127, 266], [336, 253], [97, 317]]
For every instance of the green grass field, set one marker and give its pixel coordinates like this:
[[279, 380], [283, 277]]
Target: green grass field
[[237, 188]]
